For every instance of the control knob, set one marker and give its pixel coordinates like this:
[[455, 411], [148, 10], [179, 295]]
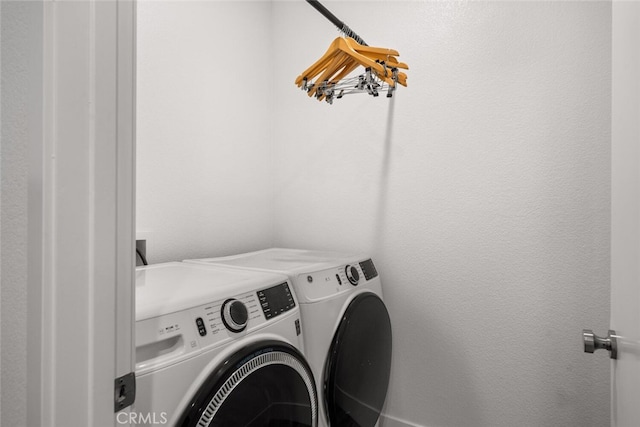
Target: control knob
[[234, 315], [352, 274]]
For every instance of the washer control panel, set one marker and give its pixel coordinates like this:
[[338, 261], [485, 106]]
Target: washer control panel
[[163, 340], [227, 318]]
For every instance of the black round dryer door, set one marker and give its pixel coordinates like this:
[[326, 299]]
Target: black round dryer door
[[266, 384], [358, 364]]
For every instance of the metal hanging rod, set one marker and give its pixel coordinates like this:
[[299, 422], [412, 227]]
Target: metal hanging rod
[[335, 21]]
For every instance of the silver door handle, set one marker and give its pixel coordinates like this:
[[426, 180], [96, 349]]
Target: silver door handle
[[592, 342]]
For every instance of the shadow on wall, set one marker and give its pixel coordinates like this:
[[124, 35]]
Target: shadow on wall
[[383, 183], [447, 381]]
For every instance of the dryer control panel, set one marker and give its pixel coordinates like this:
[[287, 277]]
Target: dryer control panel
[[325, 283]]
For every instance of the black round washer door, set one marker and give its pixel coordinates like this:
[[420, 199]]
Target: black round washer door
[[358, 364], [266, 384]]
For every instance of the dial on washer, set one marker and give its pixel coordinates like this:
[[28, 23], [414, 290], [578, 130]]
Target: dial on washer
[[352, 274], [234, 315]]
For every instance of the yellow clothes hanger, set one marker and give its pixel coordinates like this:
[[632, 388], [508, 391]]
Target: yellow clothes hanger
[[324, 78], [329, 66], [341, 62], [364, 60], [378, 53], [320, 65], [329, 79], [365, 49]]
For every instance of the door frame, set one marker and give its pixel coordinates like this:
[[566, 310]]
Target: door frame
[[81, 291], [625, 211]]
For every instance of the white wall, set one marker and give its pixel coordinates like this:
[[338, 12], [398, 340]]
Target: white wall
[[482, 190], [21, 81], [204, 140]]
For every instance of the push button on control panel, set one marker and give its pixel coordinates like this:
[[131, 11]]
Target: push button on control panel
[[201, 328]]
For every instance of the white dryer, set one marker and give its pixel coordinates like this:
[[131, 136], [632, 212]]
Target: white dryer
[[347, 330], [219, 347]]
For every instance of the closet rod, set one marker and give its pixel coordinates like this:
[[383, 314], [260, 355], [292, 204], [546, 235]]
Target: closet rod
[[335, 21]]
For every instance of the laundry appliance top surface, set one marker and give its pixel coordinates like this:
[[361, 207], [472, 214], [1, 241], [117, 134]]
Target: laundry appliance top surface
[[287, 261], [174, 286]]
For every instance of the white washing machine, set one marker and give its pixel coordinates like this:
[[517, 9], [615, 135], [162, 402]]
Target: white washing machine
[[347, 330], [221, 347]]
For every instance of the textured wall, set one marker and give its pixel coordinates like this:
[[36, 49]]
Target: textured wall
[[482, 191], [21, 75], [204, 141]]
